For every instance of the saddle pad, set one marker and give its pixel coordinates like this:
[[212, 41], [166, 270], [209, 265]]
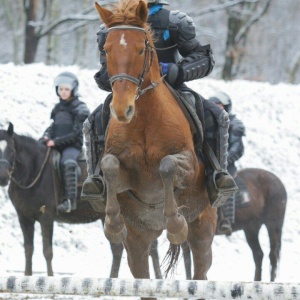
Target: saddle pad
[[242, 196]]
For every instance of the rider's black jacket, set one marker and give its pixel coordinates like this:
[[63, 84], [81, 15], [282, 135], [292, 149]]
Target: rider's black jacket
[[175, 42], [68, 118]]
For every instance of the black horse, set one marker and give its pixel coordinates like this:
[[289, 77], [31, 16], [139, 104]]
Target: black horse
[[261, 201], [35, 191]]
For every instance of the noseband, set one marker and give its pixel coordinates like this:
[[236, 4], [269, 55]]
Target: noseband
[[11, 166], [149, 54]]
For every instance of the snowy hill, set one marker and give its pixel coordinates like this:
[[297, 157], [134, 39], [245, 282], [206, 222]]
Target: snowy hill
[[271, 116]]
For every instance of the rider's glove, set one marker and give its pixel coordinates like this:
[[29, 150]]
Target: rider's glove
[[173, 72]]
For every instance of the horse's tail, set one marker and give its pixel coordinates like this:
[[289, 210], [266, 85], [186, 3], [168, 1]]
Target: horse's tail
[[171, 259]]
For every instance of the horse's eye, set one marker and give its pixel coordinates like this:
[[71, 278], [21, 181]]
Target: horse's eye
[[141, 51]]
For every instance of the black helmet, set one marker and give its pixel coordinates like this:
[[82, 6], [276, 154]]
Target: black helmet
[[158, 2], [222, 98], [69, 79]]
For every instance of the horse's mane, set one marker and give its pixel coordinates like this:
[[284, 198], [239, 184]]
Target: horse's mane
[[29, 142], [124, 13]]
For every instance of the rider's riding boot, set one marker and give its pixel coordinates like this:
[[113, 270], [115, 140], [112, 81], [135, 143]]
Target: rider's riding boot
[[220, 184], [227, 217], [70, 181], [93, 187]]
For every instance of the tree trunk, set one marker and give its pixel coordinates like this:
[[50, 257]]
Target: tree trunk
[[31, 38], [232, 51]]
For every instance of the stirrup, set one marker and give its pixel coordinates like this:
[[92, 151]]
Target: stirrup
[[218, 195], [93, 190]]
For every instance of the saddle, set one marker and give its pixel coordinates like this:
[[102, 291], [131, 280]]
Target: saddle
[[81, 171], [194, 113]]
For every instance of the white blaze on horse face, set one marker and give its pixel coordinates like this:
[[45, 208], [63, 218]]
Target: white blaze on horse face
[[123, 41], [3, 145]]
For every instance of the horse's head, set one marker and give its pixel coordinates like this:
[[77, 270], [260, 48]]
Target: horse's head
[[7, 154], [130, 55]]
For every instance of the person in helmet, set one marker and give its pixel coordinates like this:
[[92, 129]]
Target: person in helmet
[[65, 134], [235, 151], [182, 58]]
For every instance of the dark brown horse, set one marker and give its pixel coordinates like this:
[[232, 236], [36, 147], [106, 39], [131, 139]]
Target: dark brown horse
[[267, 206], [153, 176], [25, 167]]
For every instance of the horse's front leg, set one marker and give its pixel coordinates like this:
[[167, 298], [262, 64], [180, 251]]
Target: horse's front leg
[[116, 182], [200, 238], [27, 227], [176, 171], [138, 246]]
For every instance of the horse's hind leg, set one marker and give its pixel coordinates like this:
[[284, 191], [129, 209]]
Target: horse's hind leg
[[155, 259], [251, 234], [27, 227], [47, 232], [274, 231], [200, 237], [117, 251]]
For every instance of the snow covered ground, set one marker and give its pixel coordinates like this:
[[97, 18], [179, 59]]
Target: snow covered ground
[[271, 116]]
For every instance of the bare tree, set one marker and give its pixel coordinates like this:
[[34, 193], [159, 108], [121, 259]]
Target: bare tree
[[241, 18], [36, 28]]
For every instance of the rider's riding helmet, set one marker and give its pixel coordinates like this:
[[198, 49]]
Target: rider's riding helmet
[[151, 2], [224, 99], [67, 79]]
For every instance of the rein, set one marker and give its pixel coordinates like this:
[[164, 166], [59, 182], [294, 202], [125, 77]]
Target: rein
[[149, 55], [36, 178]]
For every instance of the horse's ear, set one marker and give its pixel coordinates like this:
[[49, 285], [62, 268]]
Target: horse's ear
[[104, 13], [142, 11], [10, 129]]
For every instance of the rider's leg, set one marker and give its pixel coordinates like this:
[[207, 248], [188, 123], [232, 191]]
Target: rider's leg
[[227, 217], [93, 186], [94, 133], [227, 210], [69, 169], [220, 184]]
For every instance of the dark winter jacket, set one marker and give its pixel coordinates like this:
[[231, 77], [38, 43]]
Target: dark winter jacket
[[175, 42], [66, 129], [235, 143]]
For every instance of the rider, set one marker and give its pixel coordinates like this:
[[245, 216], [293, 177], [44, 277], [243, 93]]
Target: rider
[[65, 134], [182, 58], [235, 151]]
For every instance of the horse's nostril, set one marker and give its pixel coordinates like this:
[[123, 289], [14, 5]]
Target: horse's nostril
[[129, 111]]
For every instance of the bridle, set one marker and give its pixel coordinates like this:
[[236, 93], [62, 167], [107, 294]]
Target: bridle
[[149, 52], [11, 166]]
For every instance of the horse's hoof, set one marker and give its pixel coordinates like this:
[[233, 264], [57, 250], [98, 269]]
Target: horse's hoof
[[116, 237], [179, 237]]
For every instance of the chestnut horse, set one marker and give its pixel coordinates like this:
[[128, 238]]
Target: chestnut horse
[[154, 179], [267, 205]]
